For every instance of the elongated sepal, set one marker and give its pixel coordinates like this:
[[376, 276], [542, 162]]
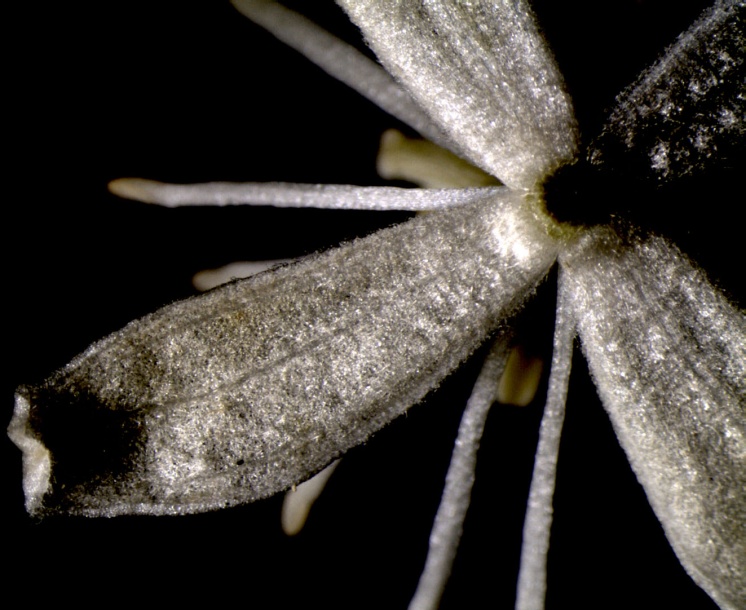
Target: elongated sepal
[[239, 393], [484, 74], [687, 112], [668, 355]]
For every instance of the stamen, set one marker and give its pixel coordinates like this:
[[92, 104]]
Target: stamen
[[532, 577], [449, 520], [208, 279], [521, 378], [342, 61], [283, 194], [426, 164], [299, 500]]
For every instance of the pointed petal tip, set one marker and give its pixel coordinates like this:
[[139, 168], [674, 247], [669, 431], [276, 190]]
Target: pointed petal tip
[[484, 74], [37, 463]]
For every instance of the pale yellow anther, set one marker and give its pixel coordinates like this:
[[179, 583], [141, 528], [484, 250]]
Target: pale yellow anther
[[521, 378], [298, 501], [426, 164], [207, 279]]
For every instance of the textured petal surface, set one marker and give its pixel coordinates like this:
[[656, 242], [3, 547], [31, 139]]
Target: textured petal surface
[[483, 73], [687, 112], [668, 355], [244, 391]]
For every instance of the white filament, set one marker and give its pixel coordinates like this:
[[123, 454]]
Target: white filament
[[284, 194], [532, 577], [449, 520]]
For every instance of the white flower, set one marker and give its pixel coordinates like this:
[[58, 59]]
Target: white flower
[[666, 350]]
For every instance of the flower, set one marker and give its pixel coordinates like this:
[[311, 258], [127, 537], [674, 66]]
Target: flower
[[658, 259]]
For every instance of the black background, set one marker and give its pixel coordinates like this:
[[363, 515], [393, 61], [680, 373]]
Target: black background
[[191, 91]]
